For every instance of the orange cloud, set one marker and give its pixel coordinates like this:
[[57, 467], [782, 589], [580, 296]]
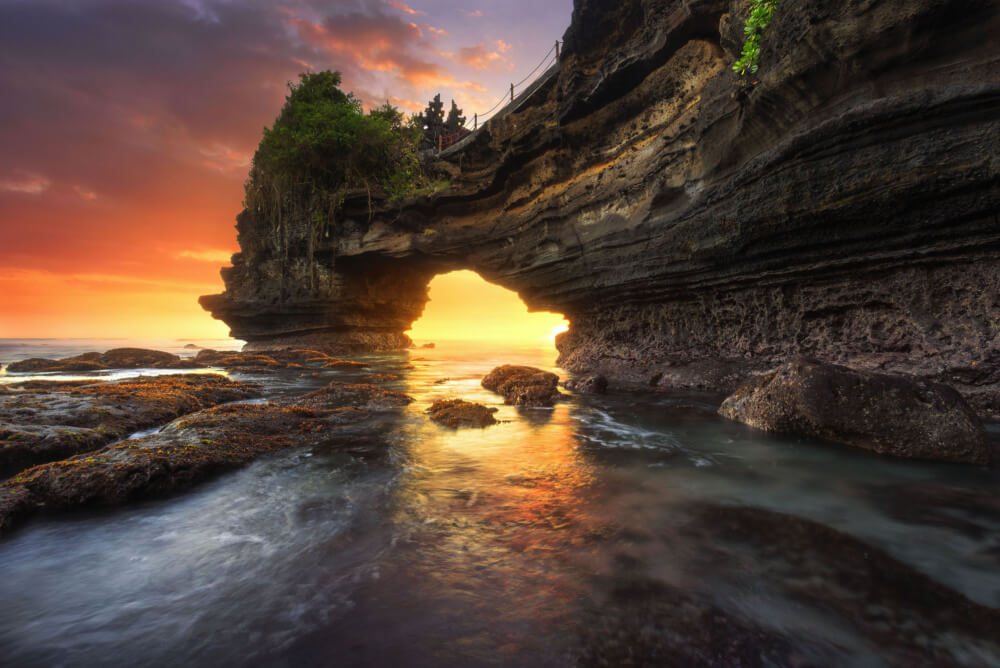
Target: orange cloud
[[222, 158], [404, 8], [85, 193], [479, 58], [27, 184], [220, 257]]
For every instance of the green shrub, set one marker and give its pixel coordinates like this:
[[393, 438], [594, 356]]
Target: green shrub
[[322, 146], [761, 13]]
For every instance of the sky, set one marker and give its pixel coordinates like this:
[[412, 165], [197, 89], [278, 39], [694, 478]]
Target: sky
[[463, 306], [127, 126]]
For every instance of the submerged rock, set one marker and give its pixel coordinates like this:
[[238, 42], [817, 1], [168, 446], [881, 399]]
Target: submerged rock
[[194, 448], [523, 385], [43, 421], [367, 396], [588, 385], [909, 617], [273, 359], [457, 413], [888, 414]]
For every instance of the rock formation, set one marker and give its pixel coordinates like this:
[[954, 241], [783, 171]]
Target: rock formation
[[457, 413], [43, 421], [889, 414], [695, 228], [523, 385], [197, 447]]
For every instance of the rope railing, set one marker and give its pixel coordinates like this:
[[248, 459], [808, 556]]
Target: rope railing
[[480, 119]]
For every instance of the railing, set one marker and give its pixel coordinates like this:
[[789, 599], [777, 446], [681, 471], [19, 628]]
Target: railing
[[498, 109]]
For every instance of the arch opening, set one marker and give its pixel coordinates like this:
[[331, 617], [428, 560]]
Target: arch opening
[[464, 307]]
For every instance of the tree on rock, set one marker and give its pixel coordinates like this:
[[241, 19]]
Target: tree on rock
[[322, 147]]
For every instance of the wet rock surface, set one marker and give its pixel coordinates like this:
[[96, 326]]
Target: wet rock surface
[[194, 448], [457, 413], [912, 619], [274, 360], [362, 395], [137, 358], [587, 385], [41, 421], [523, 385], [645, 622], [118, 358], [888, 414]]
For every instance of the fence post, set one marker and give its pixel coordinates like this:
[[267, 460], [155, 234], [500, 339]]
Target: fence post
[[512, 92], [475, 122], [440, 142], [557, 49]]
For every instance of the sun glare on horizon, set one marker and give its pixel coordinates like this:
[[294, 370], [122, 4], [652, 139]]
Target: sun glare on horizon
[[465, 307]]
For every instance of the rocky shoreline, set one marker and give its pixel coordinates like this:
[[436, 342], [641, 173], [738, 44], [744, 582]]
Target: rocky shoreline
[[193, 448], [63, 445]]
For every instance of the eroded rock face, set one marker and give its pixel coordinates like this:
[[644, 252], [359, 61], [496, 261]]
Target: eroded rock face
[[588, 384], [523, 385], [45, 421], [888, 414], [193, 449], [457, 413], [692, 230]]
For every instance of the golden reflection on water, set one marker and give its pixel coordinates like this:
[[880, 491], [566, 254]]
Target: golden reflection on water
[[502, 507]]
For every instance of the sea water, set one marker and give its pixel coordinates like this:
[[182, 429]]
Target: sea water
[[560, 536]]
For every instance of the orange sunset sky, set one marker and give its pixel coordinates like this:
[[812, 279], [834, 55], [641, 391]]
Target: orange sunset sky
[[127, 127]]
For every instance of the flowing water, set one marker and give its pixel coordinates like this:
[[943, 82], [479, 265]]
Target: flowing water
[[600, 531]]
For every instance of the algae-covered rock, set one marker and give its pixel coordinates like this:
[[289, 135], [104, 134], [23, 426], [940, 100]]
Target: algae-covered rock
[[42, 421], [901, 416], [523, 385], [457, 413]]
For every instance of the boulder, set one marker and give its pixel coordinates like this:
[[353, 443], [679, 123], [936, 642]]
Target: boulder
[[523, 385], [901, 416], [457, 413]]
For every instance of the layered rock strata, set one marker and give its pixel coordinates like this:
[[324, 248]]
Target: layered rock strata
[[696, 228]]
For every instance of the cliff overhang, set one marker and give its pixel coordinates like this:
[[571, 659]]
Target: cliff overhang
[[694, 228]]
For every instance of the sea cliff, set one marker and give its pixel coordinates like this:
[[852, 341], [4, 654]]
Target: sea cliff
[[696, 227]]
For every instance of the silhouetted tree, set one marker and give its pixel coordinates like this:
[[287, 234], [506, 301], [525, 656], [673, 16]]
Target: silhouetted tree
[[455, 121], [433, 120]]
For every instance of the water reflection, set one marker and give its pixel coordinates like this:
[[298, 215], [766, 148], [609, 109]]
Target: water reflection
[[632, 528]]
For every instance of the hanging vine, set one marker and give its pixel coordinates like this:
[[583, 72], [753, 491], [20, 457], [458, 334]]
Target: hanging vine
[[761, 13]]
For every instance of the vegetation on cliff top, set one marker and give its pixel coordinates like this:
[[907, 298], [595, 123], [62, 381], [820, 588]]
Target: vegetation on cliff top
[[761, 13], [323, 146]]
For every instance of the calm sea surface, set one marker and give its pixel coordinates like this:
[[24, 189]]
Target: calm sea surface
[[635, 527]]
